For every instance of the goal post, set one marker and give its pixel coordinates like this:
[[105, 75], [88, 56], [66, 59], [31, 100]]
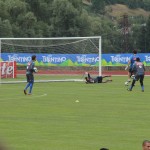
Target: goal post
[[65, 56]]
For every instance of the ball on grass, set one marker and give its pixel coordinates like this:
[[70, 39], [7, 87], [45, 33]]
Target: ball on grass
[[126, 83], [77, 101]]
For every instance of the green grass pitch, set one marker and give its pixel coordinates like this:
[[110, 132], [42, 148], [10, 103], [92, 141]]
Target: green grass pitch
[[107, 115]]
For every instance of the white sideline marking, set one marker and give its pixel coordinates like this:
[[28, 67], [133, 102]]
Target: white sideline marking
[[37, 95], [29, 96], [43, 81]]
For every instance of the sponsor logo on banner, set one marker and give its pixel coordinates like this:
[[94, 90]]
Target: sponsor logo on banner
[[18, 58], [53, 59], [147, 58], [119, 59], [8, 69], [88, 60]]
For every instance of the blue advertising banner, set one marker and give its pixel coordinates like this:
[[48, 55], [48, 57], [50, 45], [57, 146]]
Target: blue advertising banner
[[122, 59], [74, 59]]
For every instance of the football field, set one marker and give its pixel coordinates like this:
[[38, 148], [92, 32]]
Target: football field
[[75, 116]]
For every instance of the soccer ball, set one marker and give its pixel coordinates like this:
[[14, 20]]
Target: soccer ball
[[35, 69], [133, 76], [126, 83]]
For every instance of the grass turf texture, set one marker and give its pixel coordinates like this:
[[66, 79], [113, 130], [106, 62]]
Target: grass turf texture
[[107, 115]]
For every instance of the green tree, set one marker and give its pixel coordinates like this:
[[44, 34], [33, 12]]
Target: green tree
[[3, 10], [15, 8], [5, 28], [41, 9], [98, 6], [85, 24], [42, 29], [64, 19], [148, 34], [141, 38]]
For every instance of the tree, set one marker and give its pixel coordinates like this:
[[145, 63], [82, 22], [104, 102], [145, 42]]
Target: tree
[[3, 10], [85, 24], [15, 8], [141, 38], [5, 28], [148, 34], [42, 29], [98, 6], [41, 9], [64, 19]]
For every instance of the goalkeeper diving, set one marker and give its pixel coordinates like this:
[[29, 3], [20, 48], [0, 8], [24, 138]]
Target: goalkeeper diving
[[98, 79]]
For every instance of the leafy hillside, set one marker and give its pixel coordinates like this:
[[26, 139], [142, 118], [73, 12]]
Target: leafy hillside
[[70, 18], [87, 2], [118, 10], [129, 24]]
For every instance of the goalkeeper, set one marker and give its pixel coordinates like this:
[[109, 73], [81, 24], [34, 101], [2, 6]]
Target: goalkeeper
[[98, 79], [29, 75]]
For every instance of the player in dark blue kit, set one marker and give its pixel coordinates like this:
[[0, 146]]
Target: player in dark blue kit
[[98, 79], [130, 64], [29, 75], [139, 72]]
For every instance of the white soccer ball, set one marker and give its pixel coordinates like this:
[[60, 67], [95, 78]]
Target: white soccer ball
[[35, 69], [126, 83], [133, 76]]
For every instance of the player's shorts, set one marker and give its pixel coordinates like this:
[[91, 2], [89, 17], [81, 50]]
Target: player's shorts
[[139, 77], [99, 79], [30, 78], [130, 70]]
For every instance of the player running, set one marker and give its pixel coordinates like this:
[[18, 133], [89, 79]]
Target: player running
[[130, 64], [29, 75], [98, 79], [139, 72]]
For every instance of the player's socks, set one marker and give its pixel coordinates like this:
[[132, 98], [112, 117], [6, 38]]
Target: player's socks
[[31, 85], [143, 88], [130, 89], [27, 86], [25, 90]]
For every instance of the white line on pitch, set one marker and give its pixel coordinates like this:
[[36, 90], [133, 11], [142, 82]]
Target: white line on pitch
[[29, 96]]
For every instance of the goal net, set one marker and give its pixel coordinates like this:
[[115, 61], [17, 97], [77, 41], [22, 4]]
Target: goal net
[[58, 59]]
